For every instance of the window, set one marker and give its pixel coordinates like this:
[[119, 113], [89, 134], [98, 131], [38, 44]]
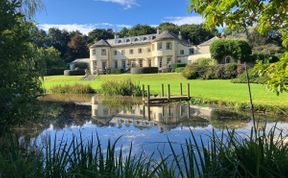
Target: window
[[191, 51], [94, 52], [94, 64], [169, 61], [159, 45], [149, 63], [104, 65], [168, 45], [182, 51], [115, 64], [115, 52], [131, 51], [148, 50], [103, 52], [123, 64], [123, 52], [160, 62], [140, 63], [140, 50]]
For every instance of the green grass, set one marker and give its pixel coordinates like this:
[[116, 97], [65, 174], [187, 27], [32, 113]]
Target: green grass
[[219, 90]]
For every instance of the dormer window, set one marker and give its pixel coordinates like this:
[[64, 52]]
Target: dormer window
[[119, 41], [128, 40], [145, 38], [136, 39], [153, 37]]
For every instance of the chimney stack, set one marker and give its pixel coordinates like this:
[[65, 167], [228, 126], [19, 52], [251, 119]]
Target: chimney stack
[[180, 35], [158, 31]]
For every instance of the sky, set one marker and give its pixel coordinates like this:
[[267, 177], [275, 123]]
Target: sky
[[86, 15]]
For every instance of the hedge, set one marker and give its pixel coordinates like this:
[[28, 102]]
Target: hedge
[[144, 70], [55, 71], [221, 71], [179, 69], [116, 71], [74, 72], [177, 65]]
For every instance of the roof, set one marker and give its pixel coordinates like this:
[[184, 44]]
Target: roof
[[82, 60], [141, 39], [209, 42], [101, 43], [166, 35]]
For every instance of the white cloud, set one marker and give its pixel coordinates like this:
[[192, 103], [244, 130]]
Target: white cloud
[[126, 3], [184, 20], [83, 28]]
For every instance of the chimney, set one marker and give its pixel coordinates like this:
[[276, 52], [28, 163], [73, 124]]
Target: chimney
[[158, 31], [180, 35]]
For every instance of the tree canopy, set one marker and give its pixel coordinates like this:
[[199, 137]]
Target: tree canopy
[[267, 15]]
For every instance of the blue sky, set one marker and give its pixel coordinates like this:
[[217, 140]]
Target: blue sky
[[85, 15]]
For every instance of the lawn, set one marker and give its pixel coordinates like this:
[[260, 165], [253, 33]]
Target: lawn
[[221, 90]]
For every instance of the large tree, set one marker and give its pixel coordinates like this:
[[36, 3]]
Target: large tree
[[267, 15], [141, 30], [77, 47], [20, 76], [99, 34]]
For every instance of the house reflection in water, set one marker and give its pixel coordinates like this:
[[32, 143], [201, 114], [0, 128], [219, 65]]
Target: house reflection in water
[[165, 117]]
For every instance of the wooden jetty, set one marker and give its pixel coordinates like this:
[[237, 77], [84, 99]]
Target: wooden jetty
[[162, 98]]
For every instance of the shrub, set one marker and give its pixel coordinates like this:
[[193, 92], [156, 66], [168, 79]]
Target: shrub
[[179, 69], [230, 71], [253, 76], [74, 72], [81, 65], [144, 70], [72, 89], [55, 71], [117, 71], [190, 72], [205, 61], [123, 88], [177, 65]]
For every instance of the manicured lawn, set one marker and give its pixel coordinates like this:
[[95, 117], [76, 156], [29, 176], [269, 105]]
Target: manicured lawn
[[222, 90]]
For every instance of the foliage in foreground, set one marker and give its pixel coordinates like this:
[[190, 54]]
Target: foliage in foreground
[[264, 154], [122, 88], [20, 75], [72, 89]]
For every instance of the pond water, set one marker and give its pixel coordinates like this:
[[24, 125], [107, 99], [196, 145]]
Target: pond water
[[146, 127]]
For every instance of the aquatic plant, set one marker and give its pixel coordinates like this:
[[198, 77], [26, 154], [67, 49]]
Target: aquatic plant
[[72, 89], [122, 87]]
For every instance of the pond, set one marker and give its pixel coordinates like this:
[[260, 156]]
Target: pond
[[148, 128]]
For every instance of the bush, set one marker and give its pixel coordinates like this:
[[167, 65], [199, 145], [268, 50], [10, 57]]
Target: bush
[[81, 65], [205, 61], [123, 88], [254, 78], [72, 89], [117, 71], [177, 65], [144, 70], [221, 71], [74, 72], [55, 71], [179, 69]]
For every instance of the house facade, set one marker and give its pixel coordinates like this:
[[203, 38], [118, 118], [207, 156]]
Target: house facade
[[155, 50]]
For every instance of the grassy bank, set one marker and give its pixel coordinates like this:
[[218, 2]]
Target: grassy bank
[[206, 91]]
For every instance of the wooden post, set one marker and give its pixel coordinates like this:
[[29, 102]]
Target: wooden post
[[169, 92], [163, 90], [181, 90], [148, 94], [188, 89], [143, 91]]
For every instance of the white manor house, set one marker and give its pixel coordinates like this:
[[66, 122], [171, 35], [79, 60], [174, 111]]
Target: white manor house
[[155, 50]]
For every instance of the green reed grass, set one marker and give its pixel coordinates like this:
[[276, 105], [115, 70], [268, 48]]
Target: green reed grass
[[225, 155], [72, 89]]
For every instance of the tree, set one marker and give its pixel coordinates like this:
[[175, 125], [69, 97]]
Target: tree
[[169, 26], [49, 58], [39, 37], [141, 30], [20, 83], [237, 49], [77, 47], [59, 40], [196, 33], [99, 34], [123, 32], [267, 15]]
